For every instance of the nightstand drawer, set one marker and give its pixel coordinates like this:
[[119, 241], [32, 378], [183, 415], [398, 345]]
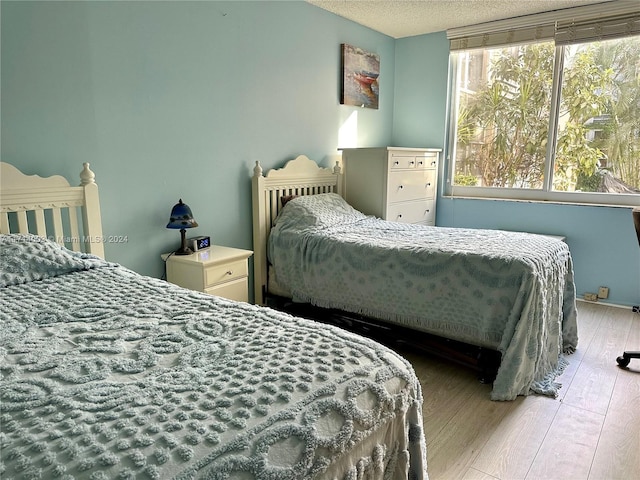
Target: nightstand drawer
[[235, 290], [225, 273]]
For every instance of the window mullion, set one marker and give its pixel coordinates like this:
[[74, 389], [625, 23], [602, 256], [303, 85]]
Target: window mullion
[[554, 114], [453, 124]]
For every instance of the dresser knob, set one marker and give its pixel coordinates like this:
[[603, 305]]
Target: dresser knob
[[229, 272], [401, 187], [399, 215]]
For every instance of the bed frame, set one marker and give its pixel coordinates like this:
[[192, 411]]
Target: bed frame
[[300, 176], [50, 207]]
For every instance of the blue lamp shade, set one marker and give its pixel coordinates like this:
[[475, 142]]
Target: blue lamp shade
[[182, 218]]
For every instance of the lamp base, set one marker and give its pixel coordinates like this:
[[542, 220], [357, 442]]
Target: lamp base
[[183, 250]]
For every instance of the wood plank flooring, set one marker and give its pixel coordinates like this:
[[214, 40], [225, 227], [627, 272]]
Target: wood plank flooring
[[591, 431]]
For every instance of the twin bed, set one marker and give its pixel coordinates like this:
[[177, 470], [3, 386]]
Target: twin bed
[[507, 292], [105, 373]]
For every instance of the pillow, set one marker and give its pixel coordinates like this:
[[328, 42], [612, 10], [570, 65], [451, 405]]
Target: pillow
[[287, 198], [25, 258], [322, 210]]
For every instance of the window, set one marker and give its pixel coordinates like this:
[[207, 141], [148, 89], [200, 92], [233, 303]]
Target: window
[[550, 112]]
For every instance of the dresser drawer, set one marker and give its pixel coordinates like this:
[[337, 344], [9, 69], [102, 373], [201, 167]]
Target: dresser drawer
[[225, 273], [429, 161], [416, 185], [235, 290], [402, 162], [412, 212]]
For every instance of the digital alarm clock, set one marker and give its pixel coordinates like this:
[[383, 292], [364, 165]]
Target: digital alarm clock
[[200, 243]]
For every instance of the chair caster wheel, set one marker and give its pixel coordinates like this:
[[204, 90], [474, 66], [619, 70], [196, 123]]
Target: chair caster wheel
[[623, 361]]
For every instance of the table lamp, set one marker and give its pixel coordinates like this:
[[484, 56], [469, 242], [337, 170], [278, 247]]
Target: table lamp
[[182, 218]]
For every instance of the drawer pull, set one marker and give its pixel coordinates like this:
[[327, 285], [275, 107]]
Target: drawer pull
[[400, 187], [433, 164], [420, 163], [229, 272], [399, 215], [412, 162], [396, 162], [428, 184]]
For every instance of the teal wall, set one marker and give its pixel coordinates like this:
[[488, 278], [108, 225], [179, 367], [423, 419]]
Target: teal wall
[[171, 100], [601, 239], [421, 91]]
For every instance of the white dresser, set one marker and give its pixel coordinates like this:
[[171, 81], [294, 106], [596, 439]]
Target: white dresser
[[393, 183]]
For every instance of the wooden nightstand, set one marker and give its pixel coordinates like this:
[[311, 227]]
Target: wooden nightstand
[[217, 270]]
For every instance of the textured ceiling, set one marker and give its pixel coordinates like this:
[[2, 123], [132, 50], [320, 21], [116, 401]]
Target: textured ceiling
[[400, 18]]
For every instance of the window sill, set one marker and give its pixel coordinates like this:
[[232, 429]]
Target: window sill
[[541, 201]]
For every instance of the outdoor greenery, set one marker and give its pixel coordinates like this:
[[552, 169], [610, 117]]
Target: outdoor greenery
[[503, 125]]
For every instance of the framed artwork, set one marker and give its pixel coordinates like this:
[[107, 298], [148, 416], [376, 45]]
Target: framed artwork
[[360, 72]]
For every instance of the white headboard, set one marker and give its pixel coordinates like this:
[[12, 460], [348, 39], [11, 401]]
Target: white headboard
[[300, 176], [50, 207]]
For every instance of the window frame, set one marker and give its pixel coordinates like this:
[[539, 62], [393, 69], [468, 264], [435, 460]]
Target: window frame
[[546, 193]]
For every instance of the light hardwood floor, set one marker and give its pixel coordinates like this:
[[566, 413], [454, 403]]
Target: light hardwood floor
[[591, 431]]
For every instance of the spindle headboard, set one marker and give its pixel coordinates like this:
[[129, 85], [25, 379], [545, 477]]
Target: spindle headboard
[[300, 176], [50, 207]]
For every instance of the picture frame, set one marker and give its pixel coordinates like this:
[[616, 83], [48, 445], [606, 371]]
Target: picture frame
[[360, 76]]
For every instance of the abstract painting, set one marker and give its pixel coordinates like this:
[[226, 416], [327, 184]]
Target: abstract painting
[[360, 75]]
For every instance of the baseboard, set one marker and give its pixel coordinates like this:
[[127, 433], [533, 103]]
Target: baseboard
[[605, 304]]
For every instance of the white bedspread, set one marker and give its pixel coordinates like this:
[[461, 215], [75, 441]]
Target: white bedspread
[[509, 291], [108, 374]]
